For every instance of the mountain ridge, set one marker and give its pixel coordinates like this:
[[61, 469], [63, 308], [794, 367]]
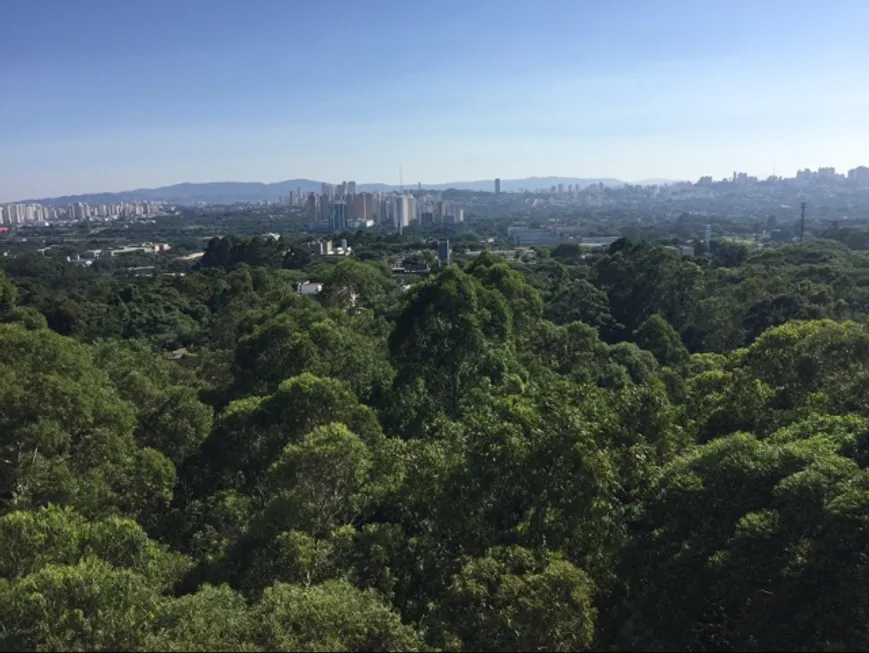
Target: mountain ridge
[[256, 191]]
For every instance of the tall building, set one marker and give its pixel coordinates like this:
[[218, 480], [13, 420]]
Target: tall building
[[859, 175], [362, 207], [324, 214], [13, 214], [412, 209], [338, 216], [444, 251], [497, 186], [351, 187], [384, 211], [404, 211], [313, 208]]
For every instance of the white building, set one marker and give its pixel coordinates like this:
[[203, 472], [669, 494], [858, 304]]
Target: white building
[[310, 288], [404, 211]]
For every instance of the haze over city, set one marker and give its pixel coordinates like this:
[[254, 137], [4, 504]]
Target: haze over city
[[157, 93]]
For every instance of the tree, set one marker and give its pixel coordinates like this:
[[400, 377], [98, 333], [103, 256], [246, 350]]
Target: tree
[[8, 296], [212, 619], [250, 434], [523, 300], [642, 279], [170, 417], [89, 606], [657, 336], [321, 478], [451, 335], [65, 435], [351, 282], [60, 536], [333, 616], [511, 600], [296, 342], [768, 532], [580, 301]]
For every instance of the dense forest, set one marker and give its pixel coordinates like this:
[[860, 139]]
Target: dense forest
[[635, 451]]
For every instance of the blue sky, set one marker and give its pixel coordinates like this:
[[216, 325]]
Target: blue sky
[[119, 94]]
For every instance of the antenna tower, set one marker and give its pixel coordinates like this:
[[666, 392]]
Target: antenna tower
[[802, 220]]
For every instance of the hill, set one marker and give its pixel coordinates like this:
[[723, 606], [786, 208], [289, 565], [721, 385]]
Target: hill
[[243, 191]]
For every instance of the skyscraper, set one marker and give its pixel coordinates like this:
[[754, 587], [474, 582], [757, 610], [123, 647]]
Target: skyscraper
[[444, 251], [351, 187], [362, 208], [411, 209], [337, 216], [313, 208], [497, 186], [404, 211]]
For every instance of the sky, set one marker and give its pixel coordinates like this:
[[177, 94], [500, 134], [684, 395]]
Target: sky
[[110, 95]]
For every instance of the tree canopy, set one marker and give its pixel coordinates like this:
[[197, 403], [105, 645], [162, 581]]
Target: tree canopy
[[624, 449]]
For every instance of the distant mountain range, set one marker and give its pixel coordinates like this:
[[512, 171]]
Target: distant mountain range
[[243, 191]]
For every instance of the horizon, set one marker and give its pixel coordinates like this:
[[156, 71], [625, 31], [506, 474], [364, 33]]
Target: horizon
[[410, 185], [407, 185], [626, 90]]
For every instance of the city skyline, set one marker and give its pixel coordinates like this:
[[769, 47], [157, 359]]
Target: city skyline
[[624, 89], [493, 184]]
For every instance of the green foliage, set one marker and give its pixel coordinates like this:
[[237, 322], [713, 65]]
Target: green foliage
[[351, 283], [89, 606], [65, 435], [511, 601], [309, 340], [657, 336], [642, 280], [251, 433], [212, 619], [170, 417], [580, 301], [629, 450], [333, 616], [744, 544], [32, 540], [452, 335]]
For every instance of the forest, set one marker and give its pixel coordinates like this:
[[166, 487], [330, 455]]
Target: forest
[[633, 451]]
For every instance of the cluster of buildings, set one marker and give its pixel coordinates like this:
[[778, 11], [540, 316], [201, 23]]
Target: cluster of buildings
[[327, 248], [859, 175], [555, 235], [12, 214], [341, 207], [89, 256]]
